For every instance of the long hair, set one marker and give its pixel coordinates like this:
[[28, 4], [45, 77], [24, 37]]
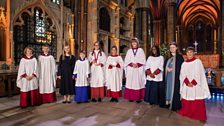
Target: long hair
[[177, 51], [157, 51], [94, 48], [64, 54]]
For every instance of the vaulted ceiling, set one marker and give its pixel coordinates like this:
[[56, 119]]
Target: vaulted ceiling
[[189, 11]]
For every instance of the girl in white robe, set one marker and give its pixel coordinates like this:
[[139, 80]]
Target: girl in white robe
[[114, 74], [47, 76], [135, 73], [81, 73], [27, 80], [193, 88], [97, 60], [154, 71]]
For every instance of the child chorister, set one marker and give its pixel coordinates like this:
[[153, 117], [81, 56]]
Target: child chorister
[[47, 76], [27, 80], [97, 60], [135, 73], [154, 71], [114, 74], [194, 88], [81, 73]]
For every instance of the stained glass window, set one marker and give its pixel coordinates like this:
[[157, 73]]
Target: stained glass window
[[36, 31]]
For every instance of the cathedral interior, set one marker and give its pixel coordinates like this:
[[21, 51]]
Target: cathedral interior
[[80, 23]]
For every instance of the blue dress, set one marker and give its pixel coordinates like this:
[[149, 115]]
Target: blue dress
[[169, 81]]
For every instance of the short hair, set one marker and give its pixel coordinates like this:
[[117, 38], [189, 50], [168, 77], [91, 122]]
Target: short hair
[[45, 45], [114, 47], [190, 48], [83, 51], [157, 51], [25, 50], [173, 43]]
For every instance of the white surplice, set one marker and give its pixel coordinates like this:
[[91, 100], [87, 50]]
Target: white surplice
[[81, 70], [47, 74], [154, 63], [135, 77], [114, 75], [97, 72], [27, 67], [194, 70]]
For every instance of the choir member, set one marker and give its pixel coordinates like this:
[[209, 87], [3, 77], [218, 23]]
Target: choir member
[[194, 87], [65, 74], [97, 60], [135, 74], [114, 74], [47, 76], [27, 80], [81, 73], [172, 73], [154, 72]]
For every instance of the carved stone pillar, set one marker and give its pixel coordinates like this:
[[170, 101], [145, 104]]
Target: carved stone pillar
[[171, 22]]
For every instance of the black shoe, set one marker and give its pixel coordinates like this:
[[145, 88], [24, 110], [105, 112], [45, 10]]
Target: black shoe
[[139, 101], [64, 102], [78, 102], [69, 102], [130, 100], [116, 100], [167, 106], [112, 100], [99, 100], [93, 100]]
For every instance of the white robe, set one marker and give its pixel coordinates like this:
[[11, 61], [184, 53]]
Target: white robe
[[97, 72], [194, 70], [28, 67], [82, 71], [135, 77], [114, 75], [47, 74], [154, 63]]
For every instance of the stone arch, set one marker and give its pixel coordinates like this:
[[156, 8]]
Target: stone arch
[[104, 13]]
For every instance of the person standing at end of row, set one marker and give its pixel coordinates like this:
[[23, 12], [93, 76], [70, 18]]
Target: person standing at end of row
[[154, 71], [97, 60], [134, 63], [114, 75], [65, 74], [193, 87], [47, 76], [172, 73], [27, 80]]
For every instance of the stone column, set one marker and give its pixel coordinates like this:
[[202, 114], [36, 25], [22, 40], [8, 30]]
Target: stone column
[[171, 21], [157, 31], [92, 24], [8, 38], [141, 25], [222, 34]]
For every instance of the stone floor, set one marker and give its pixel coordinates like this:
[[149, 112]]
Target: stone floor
[[102, 114]]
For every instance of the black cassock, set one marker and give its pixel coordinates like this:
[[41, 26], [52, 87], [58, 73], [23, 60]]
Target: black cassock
[[65, 70], [176, 103]]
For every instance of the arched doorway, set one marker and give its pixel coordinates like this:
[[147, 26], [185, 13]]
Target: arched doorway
[[37, 29], [105, 29]]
